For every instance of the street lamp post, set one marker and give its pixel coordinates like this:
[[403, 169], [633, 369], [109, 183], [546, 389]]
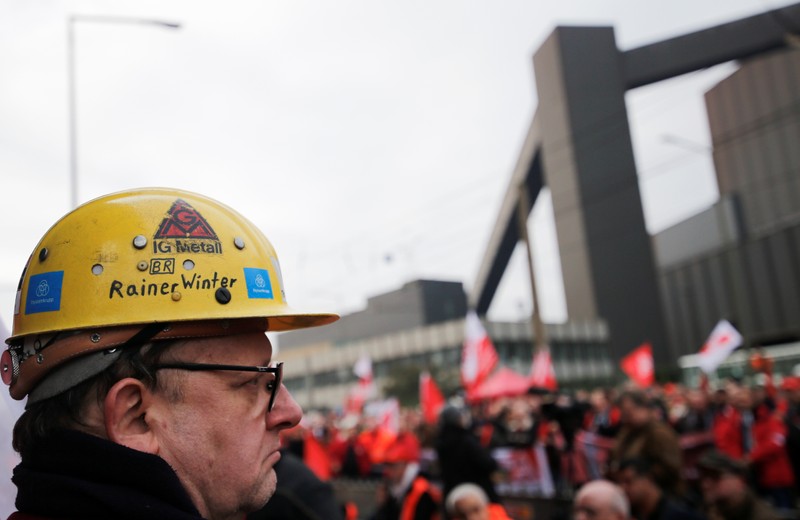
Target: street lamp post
[[73, 125]]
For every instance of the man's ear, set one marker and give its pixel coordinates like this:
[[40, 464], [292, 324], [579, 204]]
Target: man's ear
[[125, 408]]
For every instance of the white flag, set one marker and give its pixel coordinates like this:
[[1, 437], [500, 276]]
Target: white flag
[[363, 370], [363, 367], [478, 357], [723, 340]]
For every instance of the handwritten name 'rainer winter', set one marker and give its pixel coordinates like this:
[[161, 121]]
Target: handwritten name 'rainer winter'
[[195, 282]]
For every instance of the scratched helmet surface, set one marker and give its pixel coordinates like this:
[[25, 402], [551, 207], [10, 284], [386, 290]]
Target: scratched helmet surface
[[152, 256]]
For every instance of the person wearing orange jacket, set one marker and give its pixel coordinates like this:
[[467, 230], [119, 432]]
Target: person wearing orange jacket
[[407, 495], [469, 502], [769, 457]]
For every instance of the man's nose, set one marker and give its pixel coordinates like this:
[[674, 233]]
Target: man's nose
[[286, 413]]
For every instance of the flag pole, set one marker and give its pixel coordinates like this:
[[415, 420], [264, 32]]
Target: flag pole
[[540, 338]]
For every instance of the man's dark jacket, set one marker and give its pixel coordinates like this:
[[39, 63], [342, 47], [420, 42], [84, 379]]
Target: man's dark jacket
[[74, 475]]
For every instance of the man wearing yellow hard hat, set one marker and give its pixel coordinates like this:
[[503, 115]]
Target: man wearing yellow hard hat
[[139, 342]]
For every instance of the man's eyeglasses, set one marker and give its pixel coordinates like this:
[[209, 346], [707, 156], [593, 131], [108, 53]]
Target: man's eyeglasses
[[272, 384]]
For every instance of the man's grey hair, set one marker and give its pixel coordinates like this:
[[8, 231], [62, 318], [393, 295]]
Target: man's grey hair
[[612, 494], [461, 491]]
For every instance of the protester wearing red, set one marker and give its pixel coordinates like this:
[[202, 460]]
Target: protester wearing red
[[791, 387], [349, 457], [769, 457], [728, 434], [375, 441]]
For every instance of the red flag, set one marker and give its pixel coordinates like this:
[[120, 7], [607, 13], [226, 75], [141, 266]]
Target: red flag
[[638, 365], [431, 399], [316, 457], [478, 357], [723, 340], [543, 375]]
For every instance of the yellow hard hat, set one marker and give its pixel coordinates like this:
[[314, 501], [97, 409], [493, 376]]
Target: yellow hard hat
[[148, 256]]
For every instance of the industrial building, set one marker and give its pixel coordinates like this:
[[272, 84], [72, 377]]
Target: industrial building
[[422, 324], [738, 260]]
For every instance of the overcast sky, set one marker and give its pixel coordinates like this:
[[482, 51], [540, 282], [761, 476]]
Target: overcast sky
[[372, 141]]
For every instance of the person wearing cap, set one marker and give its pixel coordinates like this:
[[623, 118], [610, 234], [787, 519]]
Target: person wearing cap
[[139, 342], [469, 502], [408, 494], [726, 494]]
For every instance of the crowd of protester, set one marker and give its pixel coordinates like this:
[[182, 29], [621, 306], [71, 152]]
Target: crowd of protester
[[658, 453]]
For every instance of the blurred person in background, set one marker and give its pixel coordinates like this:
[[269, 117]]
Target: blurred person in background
[[699, 416], [648, 501], [461, 456], [733, 421], [769, 457], [349, 457], [601, 500], [718, 400], [407, 494], [643, 436], [518, 424], [791, 389], [603, 417], [469, 502], [726, 493]]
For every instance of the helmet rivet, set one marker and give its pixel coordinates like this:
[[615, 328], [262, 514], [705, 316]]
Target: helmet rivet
[[97, 269], [95, 337], [139, 241], [39, 359], [238, 242], [142, 266], [176, 296], [188, 265], [43, 254], [223, 295]]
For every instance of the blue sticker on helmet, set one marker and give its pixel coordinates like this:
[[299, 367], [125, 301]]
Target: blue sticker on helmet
[[44, 292], [258, 283]]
